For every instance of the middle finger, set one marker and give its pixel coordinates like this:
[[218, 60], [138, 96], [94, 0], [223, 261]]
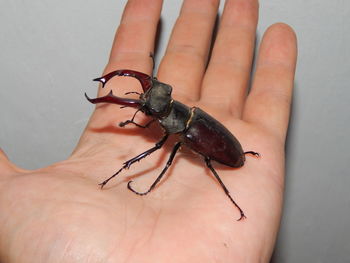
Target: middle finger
[[228, 73], [187, 52]]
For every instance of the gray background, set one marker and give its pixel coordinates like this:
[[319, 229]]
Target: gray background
[[50, 51]]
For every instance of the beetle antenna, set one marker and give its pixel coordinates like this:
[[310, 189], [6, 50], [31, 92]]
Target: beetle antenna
[[207, 161], [151, 54], [132, 92]]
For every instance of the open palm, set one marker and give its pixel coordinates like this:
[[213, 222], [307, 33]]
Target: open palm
[[59, 214]]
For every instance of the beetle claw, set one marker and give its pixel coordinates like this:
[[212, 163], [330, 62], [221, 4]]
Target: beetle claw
[[242, 217], [122, 124], [102, 184], [256, 154], [134, 191]]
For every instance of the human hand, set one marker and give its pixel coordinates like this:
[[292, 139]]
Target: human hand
[[59, 214]]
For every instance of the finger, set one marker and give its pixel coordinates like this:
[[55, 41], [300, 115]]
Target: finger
[[228, 73], [268, 103], [134, 41], [6, 166], [186, 56], [135, 36]]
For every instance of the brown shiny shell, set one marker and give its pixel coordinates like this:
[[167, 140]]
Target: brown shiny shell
[[210, 138]]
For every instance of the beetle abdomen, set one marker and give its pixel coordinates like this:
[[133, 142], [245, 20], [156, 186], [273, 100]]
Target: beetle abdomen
[[210, 138]]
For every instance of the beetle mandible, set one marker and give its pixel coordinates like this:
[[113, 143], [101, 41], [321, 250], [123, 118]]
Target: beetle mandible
[[198, 130]]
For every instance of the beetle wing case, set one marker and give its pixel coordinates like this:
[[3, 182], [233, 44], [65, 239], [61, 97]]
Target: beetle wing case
[[210, 138]]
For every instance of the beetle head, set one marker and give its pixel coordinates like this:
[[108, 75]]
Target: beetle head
[[156, 99]]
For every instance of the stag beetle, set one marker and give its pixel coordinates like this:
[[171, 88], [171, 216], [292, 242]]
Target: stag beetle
[[198, 130]]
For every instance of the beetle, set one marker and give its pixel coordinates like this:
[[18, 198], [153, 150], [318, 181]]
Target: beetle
[[197, 129]]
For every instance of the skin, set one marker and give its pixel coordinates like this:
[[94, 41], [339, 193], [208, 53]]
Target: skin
[[59, 214]]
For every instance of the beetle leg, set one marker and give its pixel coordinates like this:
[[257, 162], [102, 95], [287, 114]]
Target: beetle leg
[[207, 161], [253, 153], [122, 124], [128, 163], [169, 162]]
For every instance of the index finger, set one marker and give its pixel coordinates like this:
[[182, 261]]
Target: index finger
[[135, 36], [133, 42]]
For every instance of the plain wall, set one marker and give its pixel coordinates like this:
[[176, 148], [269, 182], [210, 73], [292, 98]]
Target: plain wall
[[50, 51]]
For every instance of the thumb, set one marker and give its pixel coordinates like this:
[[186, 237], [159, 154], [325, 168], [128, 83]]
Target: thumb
[[6, 166]]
